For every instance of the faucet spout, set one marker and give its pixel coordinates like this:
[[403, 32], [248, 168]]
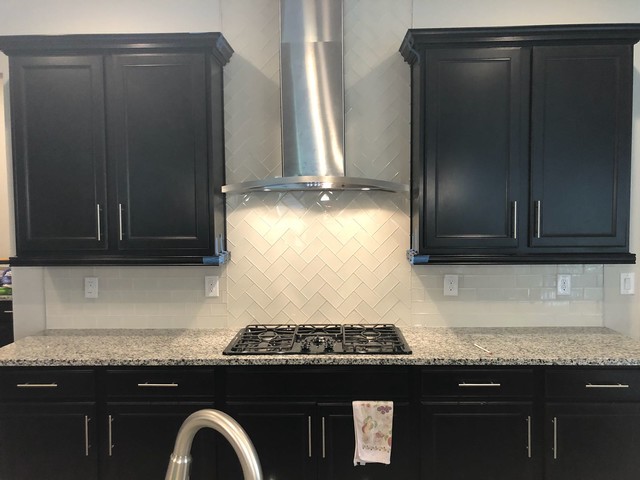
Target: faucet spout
[[180, 461]]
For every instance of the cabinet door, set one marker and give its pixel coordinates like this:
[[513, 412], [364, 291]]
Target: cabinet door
[[580, 146], [594, 441], [140, 438], [6, 322], [477, 440], [157, 113], [475, 123], [59, 153], [52, 441], [283, 435], [338, 443]]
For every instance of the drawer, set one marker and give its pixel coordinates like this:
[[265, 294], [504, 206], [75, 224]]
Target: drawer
[[6, 310], [594, 384], [44, 384], [480, 382], [346, 383], [159, 382]]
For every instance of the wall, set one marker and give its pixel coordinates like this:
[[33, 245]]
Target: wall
[[305, 257]]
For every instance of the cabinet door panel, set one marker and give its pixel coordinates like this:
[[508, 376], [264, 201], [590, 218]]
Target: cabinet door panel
[[283, 436], [158, 126], [59, 165], [474, 123], [471, 441], [336, 461], [581, 139], [49, 441], [594, 441], [143, 437]]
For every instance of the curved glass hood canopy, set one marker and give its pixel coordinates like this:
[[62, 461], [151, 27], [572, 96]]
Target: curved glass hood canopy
[[312, 104]]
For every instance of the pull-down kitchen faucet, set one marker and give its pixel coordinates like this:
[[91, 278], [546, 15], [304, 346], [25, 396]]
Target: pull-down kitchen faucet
[[180, 461]]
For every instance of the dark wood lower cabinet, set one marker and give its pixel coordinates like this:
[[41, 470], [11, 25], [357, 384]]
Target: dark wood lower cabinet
[[450, 423], [305, 441], [338, 443], [52, 441], [592, 441], [465, 441], [142, 437], [282, 434]]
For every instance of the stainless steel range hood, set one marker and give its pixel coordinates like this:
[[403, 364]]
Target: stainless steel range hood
[[312, 104]]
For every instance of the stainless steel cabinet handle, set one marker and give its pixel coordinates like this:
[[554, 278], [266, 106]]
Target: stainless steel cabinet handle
[[309, 432], [606, 385], [555, 438], [529, 436], [37, 385], [478, 385], [538, 217], [324, 451], [158, 385], [8, 311], [86, 436], [120, 221], [515, 220], [98, 221], [110, 436]]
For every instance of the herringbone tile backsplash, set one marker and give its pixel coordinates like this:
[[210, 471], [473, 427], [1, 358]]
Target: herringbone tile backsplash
[[320, 257]]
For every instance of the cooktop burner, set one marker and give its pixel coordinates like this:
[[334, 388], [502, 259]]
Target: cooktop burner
[[318, 339]]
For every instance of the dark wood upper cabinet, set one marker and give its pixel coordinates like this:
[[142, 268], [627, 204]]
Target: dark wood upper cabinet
[[472, 168], [521, 144], [59, 148], [580, 148], [118, 148]]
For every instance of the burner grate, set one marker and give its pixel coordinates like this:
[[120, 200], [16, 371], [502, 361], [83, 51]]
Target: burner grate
[[318, 339]]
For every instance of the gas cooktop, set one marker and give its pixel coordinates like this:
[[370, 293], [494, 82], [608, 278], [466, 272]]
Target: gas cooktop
[[318, 339]]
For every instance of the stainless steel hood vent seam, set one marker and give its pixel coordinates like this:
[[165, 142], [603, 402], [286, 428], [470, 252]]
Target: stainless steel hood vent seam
[[312, 104]]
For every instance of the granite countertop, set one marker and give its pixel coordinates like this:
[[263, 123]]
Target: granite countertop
[[430, 346]]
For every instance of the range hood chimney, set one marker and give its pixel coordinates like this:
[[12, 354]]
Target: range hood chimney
[[312, 104]]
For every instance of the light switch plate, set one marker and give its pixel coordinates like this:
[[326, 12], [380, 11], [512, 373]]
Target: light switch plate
[[627, 283]]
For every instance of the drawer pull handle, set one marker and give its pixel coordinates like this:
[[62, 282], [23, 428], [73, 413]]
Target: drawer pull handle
[[478, 385], [37, 385], [157, 385], [605, 385]]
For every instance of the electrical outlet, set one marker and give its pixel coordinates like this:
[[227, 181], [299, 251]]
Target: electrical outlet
[[211, 286], [564, 284], [90, 287], [451, 285], [627, 283]]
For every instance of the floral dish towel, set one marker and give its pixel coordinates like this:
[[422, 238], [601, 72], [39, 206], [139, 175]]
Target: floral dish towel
[[373, 423]]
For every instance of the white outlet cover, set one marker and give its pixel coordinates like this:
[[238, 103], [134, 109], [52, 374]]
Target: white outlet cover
[[450, 285], [211, 286], [90, 287], [564, 284]]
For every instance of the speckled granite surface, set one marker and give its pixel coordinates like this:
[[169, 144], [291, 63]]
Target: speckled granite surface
[[431, 346]]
